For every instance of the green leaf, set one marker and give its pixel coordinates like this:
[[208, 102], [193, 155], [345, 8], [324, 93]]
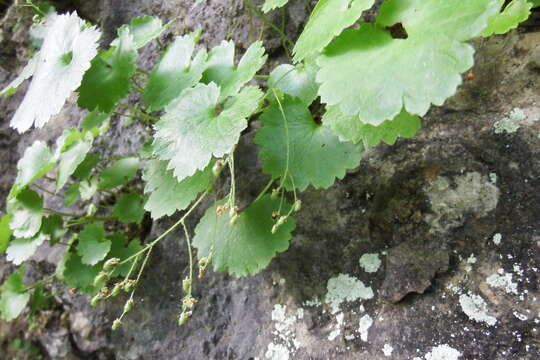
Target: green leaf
[[273, 4], [221, 69], [167, 195], [108, 80], [72, 194], [143, 29], [296, 81], [350, 128], [376, 91], [248, 245], [41, 299], [27, 212], [129, 208], [20, 250], [26, 73], [535, 3], [175, 72], [67, 50], [5, 232], [513, 14], [118, 173], [93, 120], [71, 156], [13, 298], [328, 19], [35, 163], [121, 249], [85, 168], [53, 228], [192, 130], [93, 247], [315, 155], [76, 274], [456, 19]]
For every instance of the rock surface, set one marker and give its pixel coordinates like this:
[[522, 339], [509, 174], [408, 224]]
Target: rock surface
[[453, 215]]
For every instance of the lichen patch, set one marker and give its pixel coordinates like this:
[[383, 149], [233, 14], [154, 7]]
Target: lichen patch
[[345, 288], [476, 309], [370, 262]]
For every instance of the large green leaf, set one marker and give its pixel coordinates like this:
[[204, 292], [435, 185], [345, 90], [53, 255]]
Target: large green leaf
[[35, 163], [513, 14], [175, 72], [27, 213], [295, 146], [129, 208], [67, 50], [350, 128], [193, 130], [328, 19], [248, 245], [108, 80], [75, 273], [119, 173], [20, 250], [373, 76], [92, 246], [296, 81], [13, 298], [5, 232], [230, 78], [166, 194]]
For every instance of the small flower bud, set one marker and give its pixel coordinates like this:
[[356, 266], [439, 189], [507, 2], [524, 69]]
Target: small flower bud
[[186, 285], [111, 264], [129, 285], [220, 210], [101, 279], [96, 300], [116, 324], [117, 288], [275, 228], [104, 291], [91, 211], [281, 220], [218, 166], [297, 205], [203, 264], [184, 317], [128, 305], [234, 219], [188, 302], [275, 193]]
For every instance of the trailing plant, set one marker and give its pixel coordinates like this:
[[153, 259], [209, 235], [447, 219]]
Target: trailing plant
[[375, 80]]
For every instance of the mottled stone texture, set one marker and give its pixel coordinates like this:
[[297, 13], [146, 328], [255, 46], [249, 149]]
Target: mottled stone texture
[[429, 207]]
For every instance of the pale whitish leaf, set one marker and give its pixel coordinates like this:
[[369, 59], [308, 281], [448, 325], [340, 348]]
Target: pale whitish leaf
[[70, 155], [109, 78], [92, 246], [13, 298], [175, 72], [67, 50], [27, 213], [248, 245], [230, 78], [20, 250], [26, 72], [129, 208], [273, 4], [5, 232], [166, 194], [35, 163], [350, 128], [88, 188], [143, 29], [193, 130], [298, 150], [513, 14], [328, 19], [296, 81]]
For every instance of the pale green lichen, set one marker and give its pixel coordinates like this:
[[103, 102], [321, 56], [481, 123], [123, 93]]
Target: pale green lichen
[[476, 309], [370, 262], [277, 352], [284, 332], [365, 323], [443, 352], [510, 123], [345, 288], [497, 239], [504, 281], [493, 178], [337, 330], [387, 350]]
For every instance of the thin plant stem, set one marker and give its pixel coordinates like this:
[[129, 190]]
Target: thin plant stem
[[264, 190]]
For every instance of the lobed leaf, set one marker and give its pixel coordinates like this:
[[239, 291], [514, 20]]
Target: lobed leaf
[[129, 208], [72, 149], [20, 250], [13, 298], [273, 4], [143, 30], [513, 14], [92, 246], [298, 150], [247, 246], [35, 163], [119, 173], [296, 81], [26, 214]]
